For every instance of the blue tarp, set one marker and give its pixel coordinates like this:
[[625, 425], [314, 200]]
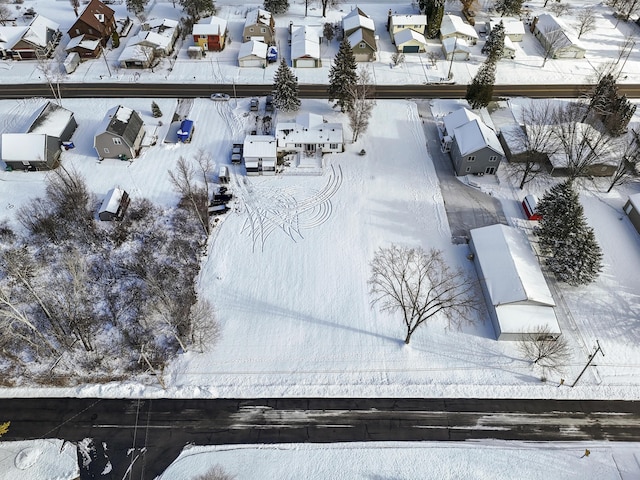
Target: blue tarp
[[186, 129]]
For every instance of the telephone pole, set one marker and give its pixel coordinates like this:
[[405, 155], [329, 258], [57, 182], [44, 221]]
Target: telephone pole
[[591, 357]]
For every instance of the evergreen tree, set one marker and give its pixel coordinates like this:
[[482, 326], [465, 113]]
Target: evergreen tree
[[619, 116], [494, 46], [197, 9], [508, 7], [434, 10], [276, 7], [136, 6], [571, 250], [115, 39], [480, 90], [285, 89], [155, 110], [343, 77]]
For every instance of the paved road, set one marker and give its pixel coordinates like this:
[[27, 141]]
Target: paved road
[[156, 430], [169, 90]]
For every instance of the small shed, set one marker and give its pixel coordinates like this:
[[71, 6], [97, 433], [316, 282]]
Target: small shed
[[632, 209], [71, 62], [114, 205], [53, 120]]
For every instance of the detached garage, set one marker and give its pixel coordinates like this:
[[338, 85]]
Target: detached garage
[[253, 54], [410, 41], [517, 296]]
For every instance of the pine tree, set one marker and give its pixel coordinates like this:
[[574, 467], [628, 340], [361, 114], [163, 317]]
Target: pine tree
[[508, 7], [619, 116], [136, 6], [155, 110], [276, 7], [571, 250], [494, 46], [434, 10], [480, 90], [285, 89], [343, 77]]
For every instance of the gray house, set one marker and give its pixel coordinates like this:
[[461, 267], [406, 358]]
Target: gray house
[[120, 134], [30, 151], [474, 147], [55, 121], [359, 29], [632, 209]]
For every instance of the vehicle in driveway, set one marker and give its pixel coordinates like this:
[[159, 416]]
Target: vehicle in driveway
[[254, 104], [222, 197], [268, 107], [220, 97], [218, 209], [236, 153]]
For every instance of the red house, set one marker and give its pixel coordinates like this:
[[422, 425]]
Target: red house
[[96, 22], [210, 33], [530, 206]]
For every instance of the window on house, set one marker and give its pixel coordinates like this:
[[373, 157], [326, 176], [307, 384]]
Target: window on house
[[77, 31], [106, 150], [493, 158], [203, 37], [333, 146], [117, 141], [468, 169], [362, 45], [471, 158], [298, 145], [91, 30], [263, 30], [251, 29]]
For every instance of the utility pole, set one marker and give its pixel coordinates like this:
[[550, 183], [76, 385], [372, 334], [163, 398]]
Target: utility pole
[[591, 357], [104, 55], [453, 54]]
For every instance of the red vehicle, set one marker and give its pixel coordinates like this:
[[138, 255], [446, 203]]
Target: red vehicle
[[530, 206]]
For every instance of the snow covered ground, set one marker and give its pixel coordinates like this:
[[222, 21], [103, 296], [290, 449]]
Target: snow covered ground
[[45, 459]]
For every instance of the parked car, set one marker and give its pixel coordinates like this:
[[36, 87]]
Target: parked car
[[222, 197], [220, 97], [254, 104], [272, 54], [268, 107], [236, 158], [218, 209]]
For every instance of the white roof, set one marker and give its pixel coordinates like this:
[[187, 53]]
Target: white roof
[[457, 118], [256, 146], [474, 135], [150, 39], [258, 16], [354, 19], [38, 28], [408, 35], [305, 42], [9, 36], [52, 123], [635, 201], [82, 42], [167, 23], [23, 146], [409, 20], [460, 45], [453, 24], [548, 25], [112, 200], [510, 269], [512, 26], [309, 128], [518, 319], [210, 26], [253, 48]]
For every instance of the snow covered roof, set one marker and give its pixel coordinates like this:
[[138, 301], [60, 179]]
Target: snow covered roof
[[259, 146], [253, 48], [581, 132], [24, 146], [635, 201], [356, 18], [520, 319], [556, 32], [210, 26], [308, 128], [51, 119], [112, 201], [39, 29], [82, 42], [475, 135], [452, 44], [408, 20], [408, 35], [9, 36], [152, 39], [510, 269], [161, 24], [123, 122], [305, 42], [453, 24], [362, 35], [512, 26], [258, 17], [457, 118]]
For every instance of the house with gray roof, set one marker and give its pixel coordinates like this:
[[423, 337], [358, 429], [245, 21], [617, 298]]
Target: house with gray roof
[[556, 38], [120, 134], [359, 30]]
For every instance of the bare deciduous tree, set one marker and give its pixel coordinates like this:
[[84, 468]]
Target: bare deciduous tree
[[433, 57], [75, 4], [5, 14], [559, 9], [215, 473], [420, 285], [362, 108], [194, 196], [550, 43], [543, 349], [586, 18], [205, 330], [397, 58], [627, 167]]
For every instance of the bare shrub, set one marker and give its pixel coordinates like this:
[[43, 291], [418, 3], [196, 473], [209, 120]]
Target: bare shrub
[[542, 348], [215, 473]]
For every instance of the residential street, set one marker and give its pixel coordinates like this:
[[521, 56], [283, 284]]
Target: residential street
[[151, 433]]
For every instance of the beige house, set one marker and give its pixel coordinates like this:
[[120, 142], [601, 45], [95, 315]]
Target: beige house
[[260, 26], [454, 27], [454, 49], [410, 41], [513, 27], [359, 29], [397, 23]]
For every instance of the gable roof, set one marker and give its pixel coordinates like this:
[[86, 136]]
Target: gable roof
[[253, 48], [512, 26], [51, 119], [453, 24], [408, 20], [9, 36], [475, 135], [28, 146], [356, 18], [408, 35], [305, 42], [555, 31], [82, 42], [40, 30], [362, 35], [457, 118], [210, 26], [258, 17], [112, 201], [309, 128], [123, 122], [256, 146], [455, 45], [510, 269], [96, 14]]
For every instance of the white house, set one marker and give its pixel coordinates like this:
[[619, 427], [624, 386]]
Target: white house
[[454, 49], [309, 134], [397, 23], [356, 19], [410, 41], [253, 54], [305, 47], [260, 155], [454, 26], [556, 37], [517, 296], [513, 27]]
